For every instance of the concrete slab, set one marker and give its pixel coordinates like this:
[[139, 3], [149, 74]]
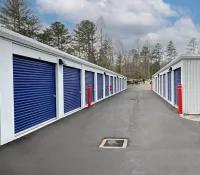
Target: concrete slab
[[160, 141]]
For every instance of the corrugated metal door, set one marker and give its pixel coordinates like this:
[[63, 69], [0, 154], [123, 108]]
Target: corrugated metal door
[[158, 84], [100, 86], [164, 85], [72, 88], [111, 83], [106, 85], [115, 81], [161, 85], [169, 86], [34, 92], [89, 79], [118, 84], [177, 80]]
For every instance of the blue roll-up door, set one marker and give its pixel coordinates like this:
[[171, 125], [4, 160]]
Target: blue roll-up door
[[169, 86], [100, 86], [115, 82], [89, 79], [161, 85], [34, 92], [72, 89], [120, 84], [177, 80], [158, 84], [164, 85], [111, 83], [106, 85]]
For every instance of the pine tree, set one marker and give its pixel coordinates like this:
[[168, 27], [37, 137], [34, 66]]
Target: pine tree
[[46, 37], [61, 36], [157, 54], [171, 52], [16, 16], [85, 40], [192, 47]]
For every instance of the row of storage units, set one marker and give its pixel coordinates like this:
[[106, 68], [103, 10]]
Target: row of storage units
[[42, 85], [183, 70]]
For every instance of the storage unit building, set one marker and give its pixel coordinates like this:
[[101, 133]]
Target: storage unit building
[[184, 70], [42, 85]]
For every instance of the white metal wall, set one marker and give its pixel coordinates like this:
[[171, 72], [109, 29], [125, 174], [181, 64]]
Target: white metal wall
[[191, 86], [7, 49]]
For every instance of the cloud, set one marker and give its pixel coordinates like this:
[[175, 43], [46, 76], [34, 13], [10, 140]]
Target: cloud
[[128, 20]]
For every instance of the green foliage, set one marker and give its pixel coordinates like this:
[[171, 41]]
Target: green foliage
[[192, 47], [84, 40], [61, 37], [16, 16], [171, 51], [46, 37]]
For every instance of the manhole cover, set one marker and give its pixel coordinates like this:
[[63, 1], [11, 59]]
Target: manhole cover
[[114, 143]]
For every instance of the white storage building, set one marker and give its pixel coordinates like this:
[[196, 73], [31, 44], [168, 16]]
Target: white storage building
[[40, 85], [184, 70]]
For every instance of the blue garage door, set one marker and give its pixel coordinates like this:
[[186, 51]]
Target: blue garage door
[[164, 85], [158, 84], [89, 79], [177, 80], [72, 89], [34, 92], [169, 86], [106, 85], [161, 85], [100, 86], [115, 82], [120, 84], [111, 83]]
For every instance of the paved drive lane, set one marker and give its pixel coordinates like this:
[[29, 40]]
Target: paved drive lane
[[161, 143]]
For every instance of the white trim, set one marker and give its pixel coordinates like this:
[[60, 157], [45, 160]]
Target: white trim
[[71, 112]]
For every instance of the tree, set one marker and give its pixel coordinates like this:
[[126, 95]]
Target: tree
[[85, 39], [46, 37], [171, 51], [61, 36], [192, 47], [101, 31], [16, 16], [119, 50], [157, 54]]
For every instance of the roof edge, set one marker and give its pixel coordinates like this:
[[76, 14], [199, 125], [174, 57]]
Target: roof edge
[[25, 41]]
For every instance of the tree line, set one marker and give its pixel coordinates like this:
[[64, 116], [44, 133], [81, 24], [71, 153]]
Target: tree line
[[90, 41]]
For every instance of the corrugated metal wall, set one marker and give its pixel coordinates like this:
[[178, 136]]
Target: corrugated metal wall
[[191, 86]]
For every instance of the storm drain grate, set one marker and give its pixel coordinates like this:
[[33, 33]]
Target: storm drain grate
[[114, 143]]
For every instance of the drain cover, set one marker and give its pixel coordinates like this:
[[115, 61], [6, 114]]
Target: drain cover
[[114, 143]]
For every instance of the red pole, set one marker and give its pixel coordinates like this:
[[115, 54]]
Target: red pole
[[180, 106], [89, 96]]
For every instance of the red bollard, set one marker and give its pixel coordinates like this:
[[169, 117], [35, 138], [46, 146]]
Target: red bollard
[[180, 106], [89, 96]]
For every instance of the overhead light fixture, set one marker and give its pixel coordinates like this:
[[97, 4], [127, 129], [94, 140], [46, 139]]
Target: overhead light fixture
[[61, 62]]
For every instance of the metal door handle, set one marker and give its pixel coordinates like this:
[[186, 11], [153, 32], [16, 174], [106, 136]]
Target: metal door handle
[[54, 96]]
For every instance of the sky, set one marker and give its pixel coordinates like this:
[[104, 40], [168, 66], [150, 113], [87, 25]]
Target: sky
[[128, 20]]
